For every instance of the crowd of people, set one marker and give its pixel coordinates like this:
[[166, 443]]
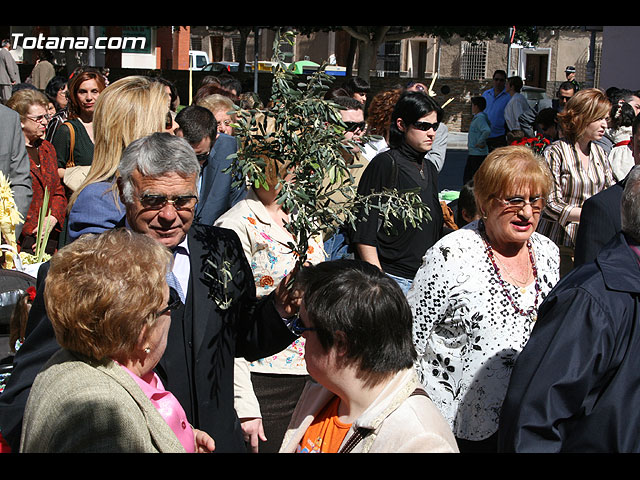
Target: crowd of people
[[173, 315]]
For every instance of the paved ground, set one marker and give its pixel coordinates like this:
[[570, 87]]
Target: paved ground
[[450, 179]]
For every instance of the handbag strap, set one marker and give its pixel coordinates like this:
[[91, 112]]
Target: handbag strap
[[72, 144], [361, 432]]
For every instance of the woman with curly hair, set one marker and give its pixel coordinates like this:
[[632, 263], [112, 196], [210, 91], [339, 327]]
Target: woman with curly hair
[[379, 120]]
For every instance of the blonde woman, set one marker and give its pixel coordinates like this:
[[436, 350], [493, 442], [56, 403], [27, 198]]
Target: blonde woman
[[580, 169], [99, 392], [476, 296], [220, 106], [128, 109]]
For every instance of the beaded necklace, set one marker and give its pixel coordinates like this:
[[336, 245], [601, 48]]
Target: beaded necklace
[[532, 310]]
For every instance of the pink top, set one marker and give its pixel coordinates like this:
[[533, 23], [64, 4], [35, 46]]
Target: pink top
[[168, 406]]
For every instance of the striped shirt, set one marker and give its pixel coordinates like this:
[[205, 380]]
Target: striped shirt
[[573, 184]]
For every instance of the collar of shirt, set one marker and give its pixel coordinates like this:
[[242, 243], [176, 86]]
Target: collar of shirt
[[181, 263]]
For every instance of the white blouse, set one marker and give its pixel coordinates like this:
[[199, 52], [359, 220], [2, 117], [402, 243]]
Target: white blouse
[[467, 332]]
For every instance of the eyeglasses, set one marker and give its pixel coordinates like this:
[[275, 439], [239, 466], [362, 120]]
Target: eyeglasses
[[355, 126], [39, 118], [424, 126], [174, 303], [297, 328], [223, 124], [203, 157], [518, 203], [157, 202]]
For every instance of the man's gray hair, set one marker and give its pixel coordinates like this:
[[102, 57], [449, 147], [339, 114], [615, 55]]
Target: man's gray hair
[[630, 205], [155, 155]]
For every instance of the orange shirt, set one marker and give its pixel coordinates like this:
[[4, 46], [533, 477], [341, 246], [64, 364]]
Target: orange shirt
[[326, 433]]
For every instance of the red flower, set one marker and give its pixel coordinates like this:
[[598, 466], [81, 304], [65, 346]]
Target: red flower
[[266, 281], [31, 291]]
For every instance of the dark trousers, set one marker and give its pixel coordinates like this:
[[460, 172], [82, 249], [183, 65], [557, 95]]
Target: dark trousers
[[277, 395], [495, 142], [471, 167], [488, 445]]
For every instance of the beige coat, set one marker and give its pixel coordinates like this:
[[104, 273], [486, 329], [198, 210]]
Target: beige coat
[[76, 405], [396, 422]]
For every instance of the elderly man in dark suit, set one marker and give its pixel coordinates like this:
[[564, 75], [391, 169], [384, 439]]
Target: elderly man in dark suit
[[14, 161], [220, 317], [600, 217], [216, 188]]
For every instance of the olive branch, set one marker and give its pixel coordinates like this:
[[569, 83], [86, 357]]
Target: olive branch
[[301, 136]]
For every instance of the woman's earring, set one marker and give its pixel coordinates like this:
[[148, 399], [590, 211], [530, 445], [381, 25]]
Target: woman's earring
[[147, 350]]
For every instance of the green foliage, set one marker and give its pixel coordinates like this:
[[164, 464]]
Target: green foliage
[[300, 139]]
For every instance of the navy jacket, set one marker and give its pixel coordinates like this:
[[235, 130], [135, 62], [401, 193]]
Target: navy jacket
[[217, 193], [599, 222], [574, 387]]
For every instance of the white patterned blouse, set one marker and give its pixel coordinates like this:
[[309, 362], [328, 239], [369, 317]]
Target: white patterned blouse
[[265, 246], [467, 330]]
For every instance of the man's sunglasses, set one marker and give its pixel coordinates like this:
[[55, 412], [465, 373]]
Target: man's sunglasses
[[157, 202], [355, 126]]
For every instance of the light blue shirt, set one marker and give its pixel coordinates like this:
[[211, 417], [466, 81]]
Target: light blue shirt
[[495, 110], [479, 131], [182, 265]]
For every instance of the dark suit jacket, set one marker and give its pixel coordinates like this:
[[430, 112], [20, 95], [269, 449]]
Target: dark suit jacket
[[217, 195], [599, 222], [204, 338], [574, 385]]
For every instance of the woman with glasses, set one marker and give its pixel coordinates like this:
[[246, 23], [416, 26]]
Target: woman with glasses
[[366, 396], [267, 389], [32, 107], [475, 298], [74, 139], [99, 393], [130, 108], [220, 106], [398, 251], [580, 169]]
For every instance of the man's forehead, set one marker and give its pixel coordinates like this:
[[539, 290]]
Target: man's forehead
[[352, 115], [170, 181]]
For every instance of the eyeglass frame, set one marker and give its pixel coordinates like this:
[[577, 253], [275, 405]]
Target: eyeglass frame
[[167, 199], [353, 127], [39, 118], [296, 327], [507, 202], [173, 304], [426, 126]]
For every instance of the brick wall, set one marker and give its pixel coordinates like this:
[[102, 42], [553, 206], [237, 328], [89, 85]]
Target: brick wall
[[458, 111]]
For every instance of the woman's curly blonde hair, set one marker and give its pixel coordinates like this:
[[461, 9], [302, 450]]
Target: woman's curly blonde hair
[[101, 290]]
